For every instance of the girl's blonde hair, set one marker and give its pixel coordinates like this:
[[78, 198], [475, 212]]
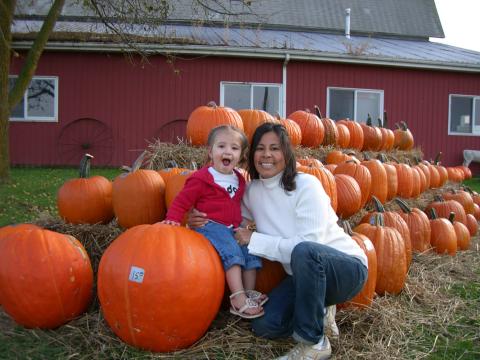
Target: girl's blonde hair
[[243, 140]]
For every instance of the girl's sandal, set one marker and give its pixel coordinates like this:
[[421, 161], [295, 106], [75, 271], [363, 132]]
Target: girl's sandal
[[257, 296], [249, 304]]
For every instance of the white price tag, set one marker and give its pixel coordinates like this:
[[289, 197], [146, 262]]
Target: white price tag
[[136, 274]]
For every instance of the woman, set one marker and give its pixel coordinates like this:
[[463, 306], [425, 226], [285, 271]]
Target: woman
[[296, 226]]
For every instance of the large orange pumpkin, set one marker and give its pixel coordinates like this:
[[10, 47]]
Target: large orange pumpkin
[[311, 127], [160, 286], [462, 233], [349, 196], [356, 133], [360, 173], [293, 130], [46, 277], [327, 179], [205, 118], [379, 179], [86, 200], [253, 118], [269, 276], [418, 224], [331, 132], [139, 196], [365, 297], [443, 208], [391, 258]]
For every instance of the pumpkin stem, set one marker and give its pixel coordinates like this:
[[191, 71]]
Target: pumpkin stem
[[395, 159], [382, 157], [451, 217], [212, 104], [403, 206], [369, 120], [438, 198], [85, 166], [437, 158], [346, 227], [366, 156], [172, 164], [433, 214], [318, 112], [377, 220], [377, 205], [126, 169], [385, 119], [138, 163], [380, 124]]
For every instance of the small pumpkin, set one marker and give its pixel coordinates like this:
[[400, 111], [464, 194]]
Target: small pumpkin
[[444, 238], [443, 208], [418, 225], [85, 200], [356, 133], [403, 137], [462, 233], [139, 196]]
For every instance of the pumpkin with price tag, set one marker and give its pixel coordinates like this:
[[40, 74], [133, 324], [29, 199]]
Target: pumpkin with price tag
[[160, 286]]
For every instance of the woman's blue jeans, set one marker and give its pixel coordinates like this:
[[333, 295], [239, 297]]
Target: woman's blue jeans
[[322, 276]]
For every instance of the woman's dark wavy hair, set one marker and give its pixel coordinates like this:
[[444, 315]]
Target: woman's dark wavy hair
[[288, 177]]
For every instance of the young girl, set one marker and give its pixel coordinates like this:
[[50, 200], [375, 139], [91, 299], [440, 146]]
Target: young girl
[[217, 189]]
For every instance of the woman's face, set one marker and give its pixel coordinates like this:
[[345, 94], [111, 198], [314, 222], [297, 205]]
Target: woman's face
[[269, 158]]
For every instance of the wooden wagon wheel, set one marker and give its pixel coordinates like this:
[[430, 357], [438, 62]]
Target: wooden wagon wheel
[[172, 131], [85, 136]]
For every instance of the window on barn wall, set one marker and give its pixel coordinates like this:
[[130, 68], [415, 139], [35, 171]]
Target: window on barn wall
[[40, 101], [355, 104], [464, 115], [251, 96]]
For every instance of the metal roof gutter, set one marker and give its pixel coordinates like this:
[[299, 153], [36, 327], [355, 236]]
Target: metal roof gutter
[[228, 51]]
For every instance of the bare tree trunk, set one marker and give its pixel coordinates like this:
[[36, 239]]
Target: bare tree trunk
[[6, 13], [8, 100]]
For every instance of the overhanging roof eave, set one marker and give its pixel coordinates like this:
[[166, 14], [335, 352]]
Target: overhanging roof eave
[[229, 51]]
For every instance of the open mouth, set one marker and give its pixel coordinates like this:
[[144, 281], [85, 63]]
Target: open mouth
[[226, 162]]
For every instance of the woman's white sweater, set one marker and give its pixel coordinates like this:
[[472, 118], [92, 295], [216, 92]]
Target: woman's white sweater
[[284, 219]]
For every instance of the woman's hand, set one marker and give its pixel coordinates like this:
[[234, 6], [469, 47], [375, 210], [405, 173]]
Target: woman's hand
[[196, 218], [243, 235], [170, 222]]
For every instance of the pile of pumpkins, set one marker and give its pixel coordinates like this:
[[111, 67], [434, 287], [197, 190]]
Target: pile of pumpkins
[[160, 287]]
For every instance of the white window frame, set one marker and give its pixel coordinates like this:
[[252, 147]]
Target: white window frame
[[281, 111], [475, 129], [28, 118], [355, 91]]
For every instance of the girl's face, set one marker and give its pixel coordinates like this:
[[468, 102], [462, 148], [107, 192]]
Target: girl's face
[[269, 158], [226, 151]]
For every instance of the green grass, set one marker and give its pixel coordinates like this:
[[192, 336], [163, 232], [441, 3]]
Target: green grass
[[473, 183], [34, 190]]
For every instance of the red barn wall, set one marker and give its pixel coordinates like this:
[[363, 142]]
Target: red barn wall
[[142, 100]]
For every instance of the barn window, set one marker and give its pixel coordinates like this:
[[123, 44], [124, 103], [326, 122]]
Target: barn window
[[464, 115], [343, 103], [251, 96], [40, 101]]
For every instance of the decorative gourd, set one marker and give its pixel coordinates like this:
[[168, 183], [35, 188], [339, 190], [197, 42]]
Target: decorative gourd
[[365, 297], [356, 133], [253, 118], [46, 278], [391, 257], [393, 220], [443, 209], [462, 233], [360, 173], [86, 200], [160, 286], [444, 238], [293, 130], [311, 127], [327, 179], [139, 196], [403, 137], [205, 118], [418, 225], [331, 132], [349, 196]]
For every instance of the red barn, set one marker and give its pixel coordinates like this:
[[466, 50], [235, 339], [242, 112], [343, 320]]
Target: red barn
[[89, 94]]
